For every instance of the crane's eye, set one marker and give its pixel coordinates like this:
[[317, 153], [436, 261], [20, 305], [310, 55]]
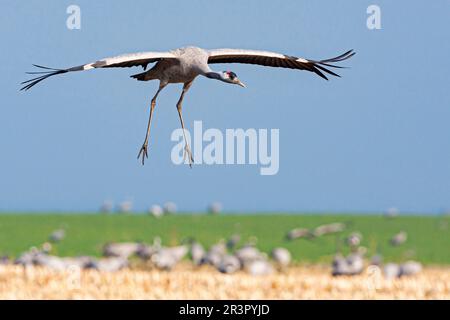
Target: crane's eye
[[231, 75]]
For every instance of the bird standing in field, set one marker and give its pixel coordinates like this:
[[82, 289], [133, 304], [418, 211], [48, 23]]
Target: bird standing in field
[[185, 64]]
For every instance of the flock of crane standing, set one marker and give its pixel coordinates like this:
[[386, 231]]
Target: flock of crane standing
[[226, 256]]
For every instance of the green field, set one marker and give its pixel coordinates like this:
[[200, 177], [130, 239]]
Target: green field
[[428, 237]]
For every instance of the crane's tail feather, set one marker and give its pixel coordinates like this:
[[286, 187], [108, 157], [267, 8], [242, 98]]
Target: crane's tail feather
[[320, 65], [44, 75], [144, 76]]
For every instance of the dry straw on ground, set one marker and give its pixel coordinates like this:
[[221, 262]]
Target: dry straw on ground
[[305, 282]]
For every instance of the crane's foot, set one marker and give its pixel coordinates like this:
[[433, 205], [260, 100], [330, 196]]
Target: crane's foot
[[143, 152], [187, 152]]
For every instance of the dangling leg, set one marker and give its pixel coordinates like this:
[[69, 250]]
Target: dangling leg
[[143, 150], [187, 149]]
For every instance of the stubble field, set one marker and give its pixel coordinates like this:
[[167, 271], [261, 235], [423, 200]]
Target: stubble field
[[300, 282]]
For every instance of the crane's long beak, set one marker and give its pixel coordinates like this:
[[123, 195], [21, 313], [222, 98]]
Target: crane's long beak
[[241, 84]]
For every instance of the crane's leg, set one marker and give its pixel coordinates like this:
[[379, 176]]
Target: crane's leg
[[187, 149], [144, 148]]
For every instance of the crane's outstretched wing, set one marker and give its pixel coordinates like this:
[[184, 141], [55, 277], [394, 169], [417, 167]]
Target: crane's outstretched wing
[[122, 61], [272, 59]]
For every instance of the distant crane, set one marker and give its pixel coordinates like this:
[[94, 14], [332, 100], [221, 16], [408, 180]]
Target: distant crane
[[57, 235], [183, 65], [399, 238], [282, 257]]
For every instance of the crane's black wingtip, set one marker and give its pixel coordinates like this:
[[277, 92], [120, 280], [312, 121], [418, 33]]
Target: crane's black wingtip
[[43, 75], [322, 64], [47, 68]]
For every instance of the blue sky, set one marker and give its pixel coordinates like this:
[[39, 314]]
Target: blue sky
[[378, 137]]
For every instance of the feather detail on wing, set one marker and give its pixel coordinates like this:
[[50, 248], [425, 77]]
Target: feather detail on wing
[[122, 61], [272, 59]]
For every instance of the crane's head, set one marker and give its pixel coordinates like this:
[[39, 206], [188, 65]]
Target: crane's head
[[231, 77]]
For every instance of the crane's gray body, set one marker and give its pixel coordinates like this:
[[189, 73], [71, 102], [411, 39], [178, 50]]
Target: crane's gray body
[[190, 63]]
